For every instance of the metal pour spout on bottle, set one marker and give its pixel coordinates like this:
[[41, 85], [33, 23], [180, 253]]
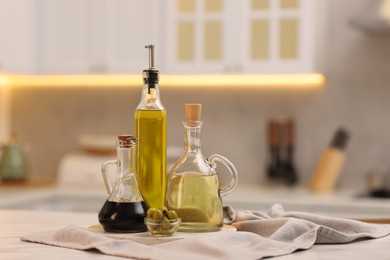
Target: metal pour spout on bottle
[[150, 130], [150, 75]]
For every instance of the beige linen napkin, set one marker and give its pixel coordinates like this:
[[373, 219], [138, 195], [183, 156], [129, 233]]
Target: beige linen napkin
[[259, 235], [289, 226]]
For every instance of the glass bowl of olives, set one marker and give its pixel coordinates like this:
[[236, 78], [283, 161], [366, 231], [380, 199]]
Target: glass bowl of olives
[[162, 222]]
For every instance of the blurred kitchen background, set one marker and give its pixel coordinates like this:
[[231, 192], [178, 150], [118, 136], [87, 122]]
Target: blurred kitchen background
[[330, 37]]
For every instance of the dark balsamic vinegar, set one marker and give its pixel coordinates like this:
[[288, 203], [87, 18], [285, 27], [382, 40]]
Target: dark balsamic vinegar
[[123, 217]]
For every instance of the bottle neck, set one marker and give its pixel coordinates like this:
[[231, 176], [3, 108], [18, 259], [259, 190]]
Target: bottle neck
[[150, 97], [192, 136], [125, 159], [126, 187]]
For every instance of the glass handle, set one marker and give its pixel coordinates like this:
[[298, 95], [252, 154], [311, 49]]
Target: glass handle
[[106, 179], [233, 172]]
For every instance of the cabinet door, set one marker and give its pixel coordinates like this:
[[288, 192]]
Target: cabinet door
[[98, 36], [277, 36], [246, 36], [18, 37], [131, 26], [73, 36], [197, 35]]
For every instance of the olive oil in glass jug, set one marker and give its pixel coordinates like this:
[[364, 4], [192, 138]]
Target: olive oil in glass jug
[[192, 187]]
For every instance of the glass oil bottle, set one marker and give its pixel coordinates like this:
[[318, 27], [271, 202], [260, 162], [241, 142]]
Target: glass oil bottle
[[150, 130], [125, 208], [193, 188]]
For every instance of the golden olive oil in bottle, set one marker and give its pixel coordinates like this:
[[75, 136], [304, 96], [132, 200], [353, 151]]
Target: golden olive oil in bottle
[[195, 198], [150, 130], [193, 189]]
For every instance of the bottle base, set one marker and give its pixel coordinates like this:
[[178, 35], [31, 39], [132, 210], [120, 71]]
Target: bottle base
[[123, 230], [123, 217]]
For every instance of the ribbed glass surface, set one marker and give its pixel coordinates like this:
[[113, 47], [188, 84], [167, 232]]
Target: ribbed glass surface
[[288, 4], [260, 39], [288, 38], [185, 6], [213, 5], [260, 5], [212, 40], [185, 41]]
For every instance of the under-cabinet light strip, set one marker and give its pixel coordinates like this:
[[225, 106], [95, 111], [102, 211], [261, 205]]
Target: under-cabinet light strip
[[167, 80]]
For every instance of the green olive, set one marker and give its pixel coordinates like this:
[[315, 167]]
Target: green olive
[[172, 214], [150, 213], [165, 224], [158, 215], [164, 210]]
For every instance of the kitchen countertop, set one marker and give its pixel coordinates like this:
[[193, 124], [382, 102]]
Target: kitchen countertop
[[15, 223], [341, 203]]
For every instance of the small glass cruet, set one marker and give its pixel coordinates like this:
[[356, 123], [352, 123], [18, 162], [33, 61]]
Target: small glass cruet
[[125, 208]]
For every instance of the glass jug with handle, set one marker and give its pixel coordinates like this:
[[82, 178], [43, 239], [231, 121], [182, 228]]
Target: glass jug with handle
[[193, 189], [125, 209]]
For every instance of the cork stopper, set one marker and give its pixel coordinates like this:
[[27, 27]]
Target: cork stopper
[[126, 141], [193, 112]]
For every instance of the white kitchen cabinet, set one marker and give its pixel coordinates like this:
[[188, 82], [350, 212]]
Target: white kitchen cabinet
[[193, 36], [130, 26], [197, 36], [266, 36], [17, 41], [71, 35], [96, 36]]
